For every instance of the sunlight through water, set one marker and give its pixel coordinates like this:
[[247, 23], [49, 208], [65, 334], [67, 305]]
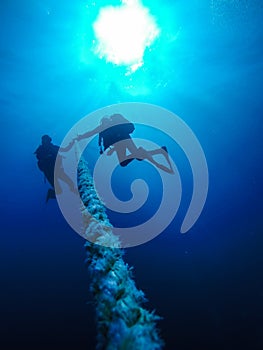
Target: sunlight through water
[[124, 32]]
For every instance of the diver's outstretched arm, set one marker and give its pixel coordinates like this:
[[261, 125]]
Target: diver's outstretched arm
[[67, 148], [81, 137], [87, 134]]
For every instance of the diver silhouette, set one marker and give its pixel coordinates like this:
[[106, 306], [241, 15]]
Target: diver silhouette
[[47, 154], [117, 128]]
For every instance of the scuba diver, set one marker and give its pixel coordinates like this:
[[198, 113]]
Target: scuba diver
[[47, 154], [117, 128]]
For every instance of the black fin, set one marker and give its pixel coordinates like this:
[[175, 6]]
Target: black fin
[[50, 194]]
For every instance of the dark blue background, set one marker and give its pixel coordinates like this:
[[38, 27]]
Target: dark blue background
[[207, 284]]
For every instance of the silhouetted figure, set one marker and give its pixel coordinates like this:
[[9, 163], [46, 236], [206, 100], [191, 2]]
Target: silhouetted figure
[[117, 128], [47, 154], [114, 132]]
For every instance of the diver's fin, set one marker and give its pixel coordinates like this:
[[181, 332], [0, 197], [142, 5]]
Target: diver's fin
[[126, 162], [50, 194], [166, 154]]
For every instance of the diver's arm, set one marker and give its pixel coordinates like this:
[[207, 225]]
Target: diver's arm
[[81, 137], [89, 133], [67, 148]]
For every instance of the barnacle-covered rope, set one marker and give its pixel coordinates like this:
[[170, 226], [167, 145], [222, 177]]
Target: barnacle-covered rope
[[122, 321]]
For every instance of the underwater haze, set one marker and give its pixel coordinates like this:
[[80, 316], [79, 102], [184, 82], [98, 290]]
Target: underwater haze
[[206, 66]]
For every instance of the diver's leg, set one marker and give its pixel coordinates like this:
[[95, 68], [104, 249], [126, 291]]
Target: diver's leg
[[134, 152], [63, 176], [50, 194], [123, 158], [160, 166], [130, 145], [49, 174], [126, 162], [138, 153], [163, 151], [57, 186], [143, 154]]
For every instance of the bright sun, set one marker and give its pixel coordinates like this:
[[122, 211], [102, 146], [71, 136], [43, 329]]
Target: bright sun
[[123, 32]]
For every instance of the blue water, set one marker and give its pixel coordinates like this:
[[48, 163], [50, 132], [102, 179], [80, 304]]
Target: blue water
[[207, 68]]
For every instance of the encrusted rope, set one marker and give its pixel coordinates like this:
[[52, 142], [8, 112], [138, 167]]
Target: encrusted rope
[[122, 322]]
